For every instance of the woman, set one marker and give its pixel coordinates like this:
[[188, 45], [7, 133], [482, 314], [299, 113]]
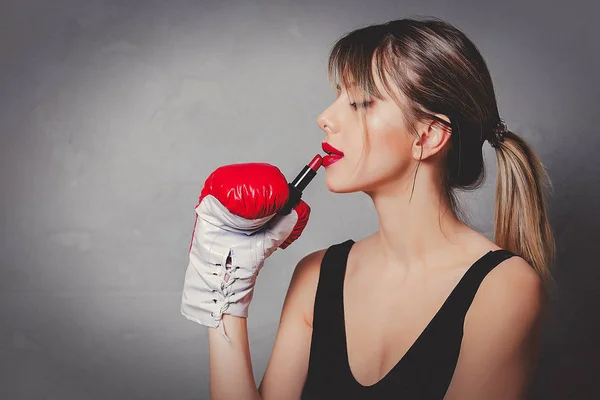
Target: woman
[[426, 307]]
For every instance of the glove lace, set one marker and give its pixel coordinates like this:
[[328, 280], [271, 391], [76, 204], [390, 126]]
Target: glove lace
[[228, 279]]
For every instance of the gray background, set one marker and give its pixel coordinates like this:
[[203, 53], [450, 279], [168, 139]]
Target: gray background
[[114, 112]]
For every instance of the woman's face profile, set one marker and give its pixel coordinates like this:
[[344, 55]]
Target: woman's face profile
[[388, 145]]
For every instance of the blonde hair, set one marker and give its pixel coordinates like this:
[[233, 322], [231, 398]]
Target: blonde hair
[[437, 69]]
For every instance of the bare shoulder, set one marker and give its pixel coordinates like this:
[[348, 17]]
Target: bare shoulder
[[304, 282], [510, 300], [513, 281], [500, 344]]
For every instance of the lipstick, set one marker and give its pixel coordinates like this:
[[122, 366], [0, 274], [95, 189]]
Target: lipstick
[[300, 182]]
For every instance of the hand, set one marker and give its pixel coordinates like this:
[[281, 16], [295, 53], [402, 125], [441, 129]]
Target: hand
[[236, 219]]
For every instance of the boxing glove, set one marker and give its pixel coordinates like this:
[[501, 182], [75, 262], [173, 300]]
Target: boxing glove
[[237, 227]]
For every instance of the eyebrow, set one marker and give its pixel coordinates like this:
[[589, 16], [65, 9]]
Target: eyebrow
[[338, 87]]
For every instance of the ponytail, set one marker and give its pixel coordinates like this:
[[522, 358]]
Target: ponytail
[[520, 215]]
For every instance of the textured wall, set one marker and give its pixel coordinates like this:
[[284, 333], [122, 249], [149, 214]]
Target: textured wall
[[114, 112]]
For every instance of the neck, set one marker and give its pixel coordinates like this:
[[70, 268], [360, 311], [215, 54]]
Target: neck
[[414, 235]]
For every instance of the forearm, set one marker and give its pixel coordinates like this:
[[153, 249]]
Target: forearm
[[231, 375]]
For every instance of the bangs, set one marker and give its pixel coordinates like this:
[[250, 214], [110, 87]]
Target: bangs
[[355, 58]]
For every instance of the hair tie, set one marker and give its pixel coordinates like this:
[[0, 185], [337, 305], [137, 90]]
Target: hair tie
[[498, 133]]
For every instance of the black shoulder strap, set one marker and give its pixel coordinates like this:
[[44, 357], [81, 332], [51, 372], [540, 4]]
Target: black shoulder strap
[[328, 311], [471, 281]]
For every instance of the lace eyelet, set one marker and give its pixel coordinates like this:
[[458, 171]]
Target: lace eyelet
[[215, 300]]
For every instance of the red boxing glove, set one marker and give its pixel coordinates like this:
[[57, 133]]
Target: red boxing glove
[[255, 192]]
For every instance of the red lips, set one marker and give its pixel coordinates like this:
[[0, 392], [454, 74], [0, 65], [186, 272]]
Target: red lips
[[329, 149]]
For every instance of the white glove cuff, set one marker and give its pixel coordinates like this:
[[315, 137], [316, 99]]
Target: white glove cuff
[[213, 288], [211, 291]]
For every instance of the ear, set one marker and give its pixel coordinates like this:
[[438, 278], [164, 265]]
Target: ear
[[433, 136]]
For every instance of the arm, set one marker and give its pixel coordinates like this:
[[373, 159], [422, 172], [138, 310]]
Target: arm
[[499, 350], [288, 366], [231, 375]]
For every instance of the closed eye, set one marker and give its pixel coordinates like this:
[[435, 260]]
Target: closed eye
[[364, 104]]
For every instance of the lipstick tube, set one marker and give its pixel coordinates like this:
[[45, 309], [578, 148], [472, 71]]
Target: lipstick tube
[[298, 185]]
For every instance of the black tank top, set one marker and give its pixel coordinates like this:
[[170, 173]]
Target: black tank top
[[426, 369]]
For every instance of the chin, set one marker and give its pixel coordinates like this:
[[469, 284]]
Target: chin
[[337, 186], [334, 187]]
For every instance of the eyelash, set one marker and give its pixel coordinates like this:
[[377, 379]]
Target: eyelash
[[364, 104]]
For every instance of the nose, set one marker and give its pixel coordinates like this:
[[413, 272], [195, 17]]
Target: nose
[[325, 122]]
